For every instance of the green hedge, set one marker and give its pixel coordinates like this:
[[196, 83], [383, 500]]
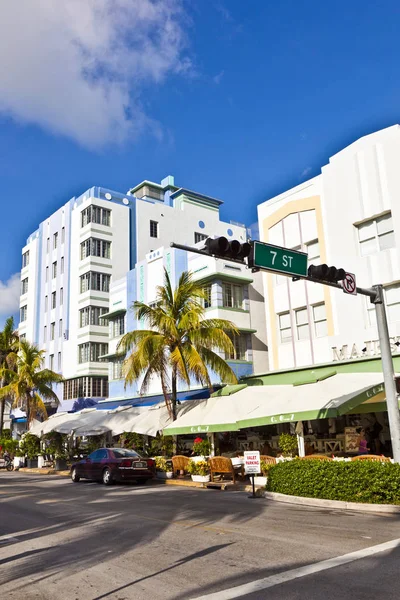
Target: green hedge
[[359, 481]]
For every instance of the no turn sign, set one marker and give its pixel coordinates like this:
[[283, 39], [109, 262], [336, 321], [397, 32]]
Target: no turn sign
[[349, 284]]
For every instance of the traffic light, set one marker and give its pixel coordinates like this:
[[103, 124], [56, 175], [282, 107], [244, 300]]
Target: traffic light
[[325, 273], [223, 248]]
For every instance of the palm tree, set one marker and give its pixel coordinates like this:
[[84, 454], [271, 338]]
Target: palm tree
[[28, 383], [180, 343], [8, 344]]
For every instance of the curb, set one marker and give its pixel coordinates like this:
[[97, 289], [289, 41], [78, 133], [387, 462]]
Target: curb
[[336, 504], [43, 472]]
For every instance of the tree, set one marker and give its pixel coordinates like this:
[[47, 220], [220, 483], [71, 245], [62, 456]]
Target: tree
[[8, 344], [28, 383], [180, 343]]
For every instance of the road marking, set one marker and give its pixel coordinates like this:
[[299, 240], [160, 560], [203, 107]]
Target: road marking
[[279, 578]]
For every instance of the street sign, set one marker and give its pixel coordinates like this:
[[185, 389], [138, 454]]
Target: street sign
[[281, 260], [252, 461], [349, 284]]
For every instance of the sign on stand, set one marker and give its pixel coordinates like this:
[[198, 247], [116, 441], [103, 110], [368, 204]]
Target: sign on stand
[[349, 284], [282, 260], [252, 466]]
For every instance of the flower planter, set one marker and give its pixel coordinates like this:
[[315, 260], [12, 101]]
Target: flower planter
[[165, 474], [201, 478], [32, 463], [60, 464], [260, 480], [40, 462], [19, 461]]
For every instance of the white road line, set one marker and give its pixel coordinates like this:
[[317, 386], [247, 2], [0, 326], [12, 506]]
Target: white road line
[[267, 582]]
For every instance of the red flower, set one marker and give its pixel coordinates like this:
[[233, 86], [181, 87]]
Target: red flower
[[198, 440]]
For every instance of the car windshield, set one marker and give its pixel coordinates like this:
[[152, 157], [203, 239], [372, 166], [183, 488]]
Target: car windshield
[[125, 453]]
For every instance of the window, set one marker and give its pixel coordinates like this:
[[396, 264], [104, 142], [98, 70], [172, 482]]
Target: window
[[303, 330], [84, 387], [95, 247], [24, 286], [116, 368], [320, 323], [46, 299], [55, 240], [153, 229], [62, 266], [61, 296], [233, 295], [53, 299], [47, 274], [91, 351], [95, 214], [285, 327], [118, 326], [25, 259], [62, 235], [44, 333], [240, 347], [54, 270], [60, 328], [376, 234], [90, 315], [207, 300], [48, 245], [313, 251], [199, 237], [23, 311], [51, 362], [95, 281], [392, 294], [52, 331], [59, 363]]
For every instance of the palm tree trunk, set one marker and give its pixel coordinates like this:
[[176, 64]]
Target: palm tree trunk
[[2, 410], [173, 393], [28, 411]]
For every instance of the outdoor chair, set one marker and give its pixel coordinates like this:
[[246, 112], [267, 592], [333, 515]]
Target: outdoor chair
[[316, 457], [180, 463], [373, 457], [270, 460], [219, 465]]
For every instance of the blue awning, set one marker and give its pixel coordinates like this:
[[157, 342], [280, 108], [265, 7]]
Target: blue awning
[[151, 400]]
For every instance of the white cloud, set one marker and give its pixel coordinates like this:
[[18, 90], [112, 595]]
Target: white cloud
[[217, 78], [79, 68], [9, 296]]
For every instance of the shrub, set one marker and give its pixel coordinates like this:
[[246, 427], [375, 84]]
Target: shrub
[[10, 445], [29, 446], [161, 445], [162, 464], [201, 448], [288, 444], [361, 481], [266, 467], [198, 467]]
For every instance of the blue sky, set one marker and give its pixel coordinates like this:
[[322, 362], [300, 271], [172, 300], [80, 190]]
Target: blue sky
[[239, 100]]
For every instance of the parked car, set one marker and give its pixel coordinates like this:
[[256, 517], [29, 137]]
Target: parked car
[[113, 464]]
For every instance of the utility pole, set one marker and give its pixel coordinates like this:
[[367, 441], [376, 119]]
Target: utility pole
[[392, 401]]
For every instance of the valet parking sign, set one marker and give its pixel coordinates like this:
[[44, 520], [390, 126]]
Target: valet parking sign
[[252, 462]]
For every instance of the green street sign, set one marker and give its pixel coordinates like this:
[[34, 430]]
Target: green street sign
[[281, 260]]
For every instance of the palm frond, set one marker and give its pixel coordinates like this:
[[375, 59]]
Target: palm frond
[[217, 364]]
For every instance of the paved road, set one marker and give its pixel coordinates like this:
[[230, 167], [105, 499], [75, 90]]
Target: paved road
[[65, 541]]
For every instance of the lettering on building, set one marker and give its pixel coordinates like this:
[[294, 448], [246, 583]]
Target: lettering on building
[[367, 349]]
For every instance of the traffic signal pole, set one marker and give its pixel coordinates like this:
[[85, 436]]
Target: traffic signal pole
[[274, 259]]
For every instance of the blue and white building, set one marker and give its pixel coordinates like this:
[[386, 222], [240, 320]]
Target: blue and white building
[[104, 243]]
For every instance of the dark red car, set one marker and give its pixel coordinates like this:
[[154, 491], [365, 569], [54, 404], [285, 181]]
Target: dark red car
[[113, 464]]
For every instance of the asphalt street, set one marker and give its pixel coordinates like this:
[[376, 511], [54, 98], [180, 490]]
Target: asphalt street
[[65, 541]]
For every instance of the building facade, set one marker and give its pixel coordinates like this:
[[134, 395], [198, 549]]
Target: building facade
[[99, 241], [349, 217]]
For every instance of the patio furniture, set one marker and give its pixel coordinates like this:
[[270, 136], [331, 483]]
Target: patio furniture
[[220, 466], [315, 457], [180, 463], [373, 457]]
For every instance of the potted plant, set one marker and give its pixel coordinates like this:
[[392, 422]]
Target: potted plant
[[199, 470], [201, 449], [262, 479], [61, 458], [30, 447], [288, 444], [163, 468]]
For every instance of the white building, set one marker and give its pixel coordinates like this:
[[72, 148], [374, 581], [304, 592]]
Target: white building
[[72, 260], [349, 217]]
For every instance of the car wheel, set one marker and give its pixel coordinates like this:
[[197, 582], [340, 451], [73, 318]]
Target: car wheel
[[107, 477], [74, 476]]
